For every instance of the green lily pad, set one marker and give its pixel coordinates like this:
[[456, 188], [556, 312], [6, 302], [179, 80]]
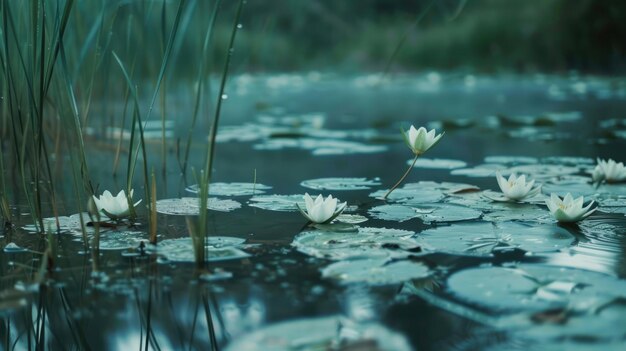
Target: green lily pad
[[322, 333], [375, 271], [340, 184], [232, 189], [482, 239]]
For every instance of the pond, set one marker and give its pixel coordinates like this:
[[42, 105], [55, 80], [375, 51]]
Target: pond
[[442, 264]]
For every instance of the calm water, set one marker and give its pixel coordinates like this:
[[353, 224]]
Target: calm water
[[280, 130]]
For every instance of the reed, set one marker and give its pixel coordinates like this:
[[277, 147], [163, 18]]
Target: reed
[[201, 229]]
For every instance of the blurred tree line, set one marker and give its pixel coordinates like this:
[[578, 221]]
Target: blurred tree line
[[482, 35]]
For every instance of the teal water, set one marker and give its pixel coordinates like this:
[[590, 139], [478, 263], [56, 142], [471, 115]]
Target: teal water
[[420, 288]]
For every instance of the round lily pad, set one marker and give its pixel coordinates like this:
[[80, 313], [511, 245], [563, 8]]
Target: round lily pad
[[283, 203], [120, 240], [351, 218], [375, 271], [413, 192], [447, 213], [365, 243], [66, 224], [511, 160], [321, 147], [324, 333], [480, 239], [232, 189], [219, 248], [437, 163], [13, 248], [340, 183], [397, 213], [190, 206], [532, 288]]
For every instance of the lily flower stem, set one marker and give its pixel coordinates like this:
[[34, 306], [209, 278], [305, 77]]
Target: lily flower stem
[[403, 177]]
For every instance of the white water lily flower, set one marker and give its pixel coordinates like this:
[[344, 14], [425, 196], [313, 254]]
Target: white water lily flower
[[114, 207], [516, 188], [419, 140], [568, 209], [321, 210], [610, 171]]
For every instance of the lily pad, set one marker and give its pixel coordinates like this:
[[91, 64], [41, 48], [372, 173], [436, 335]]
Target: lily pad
[[232, 189], [397, 213], [447, 213], [120, 240], [413, 192], [67, 224], [340, 183], [351, 218], [321, 147], [323, 333], [568, 160], [365, 243], [13, 248], [591, 301], [511, 160], [190, 206], [482, 239], [219, 248], [536, 171], [480, 171], [437, 163], [375, 271], [283, 203]]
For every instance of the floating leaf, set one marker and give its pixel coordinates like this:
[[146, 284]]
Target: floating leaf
[[367, 242], [351, 218], [397, 213], [13, 248], [285, 203], [412, 192], [321, 147], [190, 206], [511, 160], [320, 334], [120, 240], [67, 224], [437, 163], [219, 248], [375, 271], [340, 183], [553, 303], [447, 213], [480, 239], [232, 189]]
